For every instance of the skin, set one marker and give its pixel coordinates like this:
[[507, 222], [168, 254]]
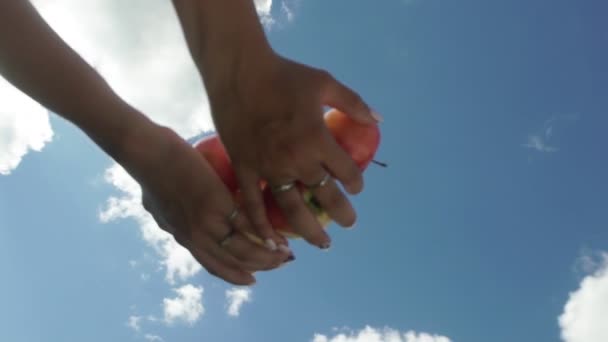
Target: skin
[[268, 110]]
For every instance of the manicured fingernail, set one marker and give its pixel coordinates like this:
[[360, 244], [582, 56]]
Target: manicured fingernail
[[289, 259], [325, 246], [271, 245], [284, 248], [377, 116]]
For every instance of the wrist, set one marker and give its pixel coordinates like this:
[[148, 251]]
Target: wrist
[[221, 48], [115, 127]]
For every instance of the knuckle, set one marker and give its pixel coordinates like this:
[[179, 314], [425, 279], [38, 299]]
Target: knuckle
[[356, 99], [337, 200], [325, 76]]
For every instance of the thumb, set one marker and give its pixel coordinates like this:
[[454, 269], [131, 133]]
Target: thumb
[[344, 99]]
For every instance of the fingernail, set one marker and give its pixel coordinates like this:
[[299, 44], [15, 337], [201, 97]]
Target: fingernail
[[284, 248], [377, 116], [289, 259], [325, 246], [271, 245]]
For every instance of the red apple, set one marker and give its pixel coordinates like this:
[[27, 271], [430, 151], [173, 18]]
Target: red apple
[[213, 150], [360, 141]]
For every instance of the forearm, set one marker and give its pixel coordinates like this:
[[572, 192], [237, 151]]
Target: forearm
[[38, 62], [222, 35]]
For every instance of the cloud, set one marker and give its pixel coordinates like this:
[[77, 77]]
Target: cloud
[[236, 298], [370, 334], [153, 338], [177, 261], [24, 126], [585, 312], [133, 322], [264, 8], [187, 307], [287, 11], [539, 143], [541, 140], [138, 47]]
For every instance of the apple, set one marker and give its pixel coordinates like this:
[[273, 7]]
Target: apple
[[360, 141], [212, 149]]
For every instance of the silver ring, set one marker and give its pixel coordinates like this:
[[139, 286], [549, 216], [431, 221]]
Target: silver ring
[[282, 188], [320, 183], [233, 214], [224, 241]]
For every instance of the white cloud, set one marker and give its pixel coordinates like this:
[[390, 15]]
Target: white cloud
[[236, 298], [138, 47], [370, 334], [24, 126], [288, 11], [264, 8], [586, 311], [187, 307], [539, 143], [153, 338], [177, 261], [133, 322], [541, 140]]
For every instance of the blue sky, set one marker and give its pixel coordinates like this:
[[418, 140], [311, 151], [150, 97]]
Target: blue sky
[[489, 224]]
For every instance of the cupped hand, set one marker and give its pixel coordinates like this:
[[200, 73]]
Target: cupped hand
[[187, 199], [270, 118]]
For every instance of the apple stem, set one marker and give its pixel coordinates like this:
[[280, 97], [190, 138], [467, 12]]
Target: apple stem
[[379, 163]]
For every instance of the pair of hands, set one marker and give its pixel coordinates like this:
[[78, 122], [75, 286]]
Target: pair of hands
[[270, 119]]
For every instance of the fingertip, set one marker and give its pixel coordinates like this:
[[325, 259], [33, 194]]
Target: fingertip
[[354, 187], [376, 116], [270, 245], [322, 242]]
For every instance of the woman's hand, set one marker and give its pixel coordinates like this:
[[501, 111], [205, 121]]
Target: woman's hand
[[269, 114], [187, 199], [268, 111]]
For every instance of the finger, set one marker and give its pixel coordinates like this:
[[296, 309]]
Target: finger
[[241, 223], [341, 97], [330, 200], [253, 205], [300, 217], [251, 256], [251, 251], [342, 166], [218, 268]]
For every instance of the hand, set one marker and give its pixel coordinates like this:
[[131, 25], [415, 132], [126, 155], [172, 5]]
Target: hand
[[187, 199], [269, 115]]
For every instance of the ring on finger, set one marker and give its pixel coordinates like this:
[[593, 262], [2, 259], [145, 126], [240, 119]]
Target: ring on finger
[[226, 239], [320, 183], [232, 216], [282, 187]]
